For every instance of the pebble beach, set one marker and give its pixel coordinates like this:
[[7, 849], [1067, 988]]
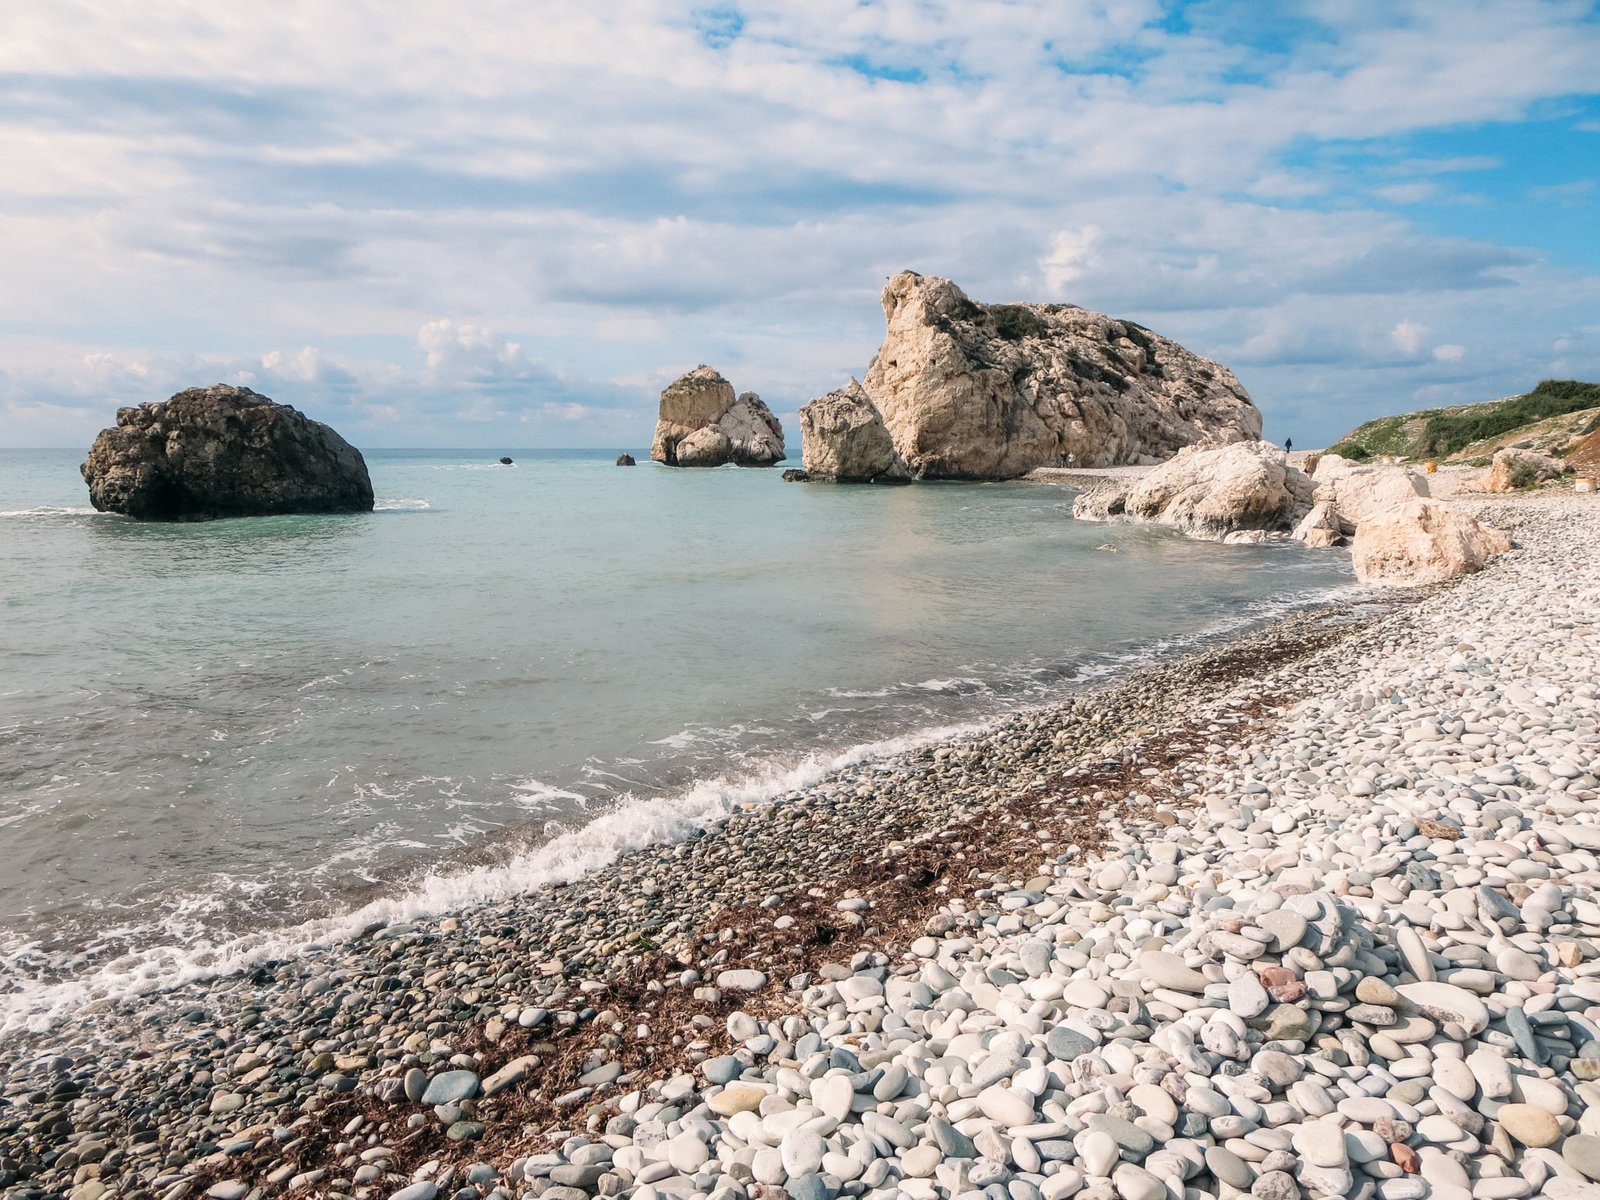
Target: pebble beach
[[1310, 913]]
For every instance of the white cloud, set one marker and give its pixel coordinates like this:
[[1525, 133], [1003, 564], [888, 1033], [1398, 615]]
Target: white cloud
[[1449, 353], [1408, 336], [1407, 193], [1071, 255], [626, 191]]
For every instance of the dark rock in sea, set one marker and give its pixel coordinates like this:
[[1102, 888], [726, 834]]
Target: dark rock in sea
[[223, 452], [625, 460], [795, 475], [505, 462]]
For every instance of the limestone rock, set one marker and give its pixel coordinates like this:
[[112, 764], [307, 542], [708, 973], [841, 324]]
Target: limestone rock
[[1355, 491], [1422, 541], [625, 460], [1513, 469], [1209, 492], [706, 447], [223, 452], [990, 391], [701, 424], [1321, 526], [843, 438]]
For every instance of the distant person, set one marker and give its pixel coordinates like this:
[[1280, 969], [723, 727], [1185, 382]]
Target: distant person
[[1288, 445]]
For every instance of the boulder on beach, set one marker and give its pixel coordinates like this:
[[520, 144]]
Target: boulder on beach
[[1422, 541], [1211, 492], [1321, 527], [1512, 469], [991, 391], [1354, 491], [223, 452], [702, 424], [625, 460], [843, 439], [1402, 537]]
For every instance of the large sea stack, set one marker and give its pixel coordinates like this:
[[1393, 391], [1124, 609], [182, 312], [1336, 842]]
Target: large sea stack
[[223, 452], [703, 425], [991, 391]]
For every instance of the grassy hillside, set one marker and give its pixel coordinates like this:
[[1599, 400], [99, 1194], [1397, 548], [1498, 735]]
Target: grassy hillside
[[1442, 432]]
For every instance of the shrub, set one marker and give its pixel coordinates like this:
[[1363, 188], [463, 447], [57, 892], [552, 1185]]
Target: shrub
[[1014, 322], [1445, 433], [1351, 450]]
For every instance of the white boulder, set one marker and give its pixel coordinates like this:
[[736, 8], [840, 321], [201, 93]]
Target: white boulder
[[1422, 541], [1209, 492]]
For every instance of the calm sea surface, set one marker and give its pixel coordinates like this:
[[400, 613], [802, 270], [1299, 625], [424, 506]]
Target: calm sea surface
[[222, 740]]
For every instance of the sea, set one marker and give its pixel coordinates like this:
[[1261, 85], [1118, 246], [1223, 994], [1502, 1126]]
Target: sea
[[224, 742]]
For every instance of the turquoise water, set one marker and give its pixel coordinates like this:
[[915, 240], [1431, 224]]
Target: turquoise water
[[213, 734]]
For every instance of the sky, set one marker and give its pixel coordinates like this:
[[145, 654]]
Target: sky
[[509, 224]]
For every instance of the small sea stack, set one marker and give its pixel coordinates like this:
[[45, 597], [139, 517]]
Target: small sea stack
[[702, 424], [625, 460], [505, 460], [223, 451]]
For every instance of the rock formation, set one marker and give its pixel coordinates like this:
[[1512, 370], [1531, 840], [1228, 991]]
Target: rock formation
[[1210, 492], [1321, 527], [625, 460], [1248, 492], [1422, 541], [843, 438], [223, 452], [1513, 469], [990, 391], [702, 425], [1354, 491]]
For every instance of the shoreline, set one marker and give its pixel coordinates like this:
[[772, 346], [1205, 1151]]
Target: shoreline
[[282, 1067], [474, 879]]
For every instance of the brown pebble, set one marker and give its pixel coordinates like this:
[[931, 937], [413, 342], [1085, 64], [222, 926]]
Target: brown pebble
[[1407, 1159]]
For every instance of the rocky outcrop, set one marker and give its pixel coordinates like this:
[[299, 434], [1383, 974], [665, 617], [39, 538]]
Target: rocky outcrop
[[1321, 527], [843, 439], [991, 391], [1402, 537], [701, 424], [1209, 492], [1512, 470], [1354, 491], [1422, 541], [625, 460], [223, 452]]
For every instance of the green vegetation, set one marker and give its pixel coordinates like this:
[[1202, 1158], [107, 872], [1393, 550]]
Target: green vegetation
[[1014, 322], [1439, 432], [1142, 338], [1445, 433]]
